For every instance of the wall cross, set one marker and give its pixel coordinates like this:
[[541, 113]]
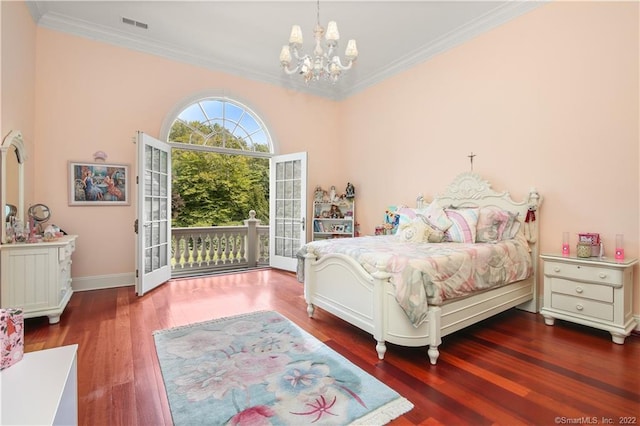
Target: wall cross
[[471, 159]]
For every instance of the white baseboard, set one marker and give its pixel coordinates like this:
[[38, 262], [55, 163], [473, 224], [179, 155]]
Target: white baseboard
[[98, 282], [637, 318]]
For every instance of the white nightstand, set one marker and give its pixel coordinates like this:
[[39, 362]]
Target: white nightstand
[[590, 291]]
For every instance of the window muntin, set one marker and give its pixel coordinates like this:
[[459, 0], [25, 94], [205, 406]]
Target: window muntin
[[223, 124]]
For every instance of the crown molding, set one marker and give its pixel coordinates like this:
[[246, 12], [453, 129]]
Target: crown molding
[[336, 92]]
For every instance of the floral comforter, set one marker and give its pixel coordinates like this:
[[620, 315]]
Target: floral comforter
[[431, 273]]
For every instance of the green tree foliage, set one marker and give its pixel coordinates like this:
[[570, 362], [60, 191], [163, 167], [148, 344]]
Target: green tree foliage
[[213, 188]]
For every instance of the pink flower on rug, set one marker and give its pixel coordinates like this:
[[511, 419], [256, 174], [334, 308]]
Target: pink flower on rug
[[254, 416], [253, 368], [209, 379], [240, 328], [270, 342], [196, 343]]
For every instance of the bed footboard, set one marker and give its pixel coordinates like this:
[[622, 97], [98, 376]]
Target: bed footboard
[[339, 285]]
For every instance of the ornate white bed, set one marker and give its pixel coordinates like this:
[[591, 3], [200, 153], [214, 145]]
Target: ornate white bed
[[340, 285]]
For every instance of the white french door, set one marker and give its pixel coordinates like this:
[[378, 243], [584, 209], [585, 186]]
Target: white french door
[[153, 223], [287, 209]]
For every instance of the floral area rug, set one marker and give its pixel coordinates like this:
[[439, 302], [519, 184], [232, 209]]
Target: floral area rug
[[261, 369]]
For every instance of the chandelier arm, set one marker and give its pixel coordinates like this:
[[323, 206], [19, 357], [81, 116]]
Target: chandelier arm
[[296, 52], [336, 60], [290, 71]]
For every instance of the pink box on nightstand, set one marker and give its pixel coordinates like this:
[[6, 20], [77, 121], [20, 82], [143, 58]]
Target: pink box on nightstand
[[11, 337]]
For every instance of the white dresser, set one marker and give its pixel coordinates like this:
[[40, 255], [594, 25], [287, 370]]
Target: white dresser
[[37, 277], [590, 291], [41, 389]]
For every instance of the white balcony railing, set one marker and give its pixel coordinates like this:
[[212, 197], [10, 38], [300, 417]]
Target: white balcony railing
[[202, 250]]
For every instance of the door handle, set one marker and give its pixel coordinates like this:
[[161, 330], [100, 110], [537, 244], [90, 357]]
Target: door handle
[[302, 222]]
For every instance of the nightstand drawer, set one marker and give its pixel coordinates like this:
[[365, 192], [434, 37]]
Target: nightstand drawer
[[583, 307], [575, 272], [602, 293]]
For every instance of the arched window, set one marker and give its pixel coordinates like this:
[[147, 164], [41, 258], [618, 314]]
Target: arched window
[[220, 162], [223, 125]]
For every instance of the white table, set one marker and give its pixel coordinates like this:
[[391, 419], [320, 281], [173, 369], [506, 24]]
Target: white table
[[41, 389]]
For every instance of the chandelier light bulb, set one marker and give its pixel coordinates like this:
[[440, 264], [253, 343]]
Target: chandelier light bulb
[[332, 31], [296, 35], [285, 55], [352, 50]]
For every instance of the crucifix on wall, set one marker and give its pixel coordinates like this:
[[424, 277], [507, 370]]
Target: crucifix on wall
[[471, 159]]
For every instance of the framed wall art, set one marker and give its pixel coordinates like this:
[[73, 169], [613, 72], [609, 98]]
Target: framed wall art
[[98, 184]]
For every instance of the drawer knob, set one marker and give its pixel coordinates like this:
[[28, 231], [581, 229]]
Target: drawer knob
[[579, 289], [602, 275], [579, 307], [556, 269]]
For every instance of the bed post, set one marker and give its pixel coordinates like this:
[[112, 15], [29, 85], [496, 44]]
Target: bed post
[[380, 277], [531, 233], [434, 334], [309, 282]]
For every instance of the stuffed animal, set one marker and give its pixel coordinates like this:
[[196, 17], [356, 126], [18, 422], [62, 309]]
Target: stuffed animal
[[433, 235], [419, 231]]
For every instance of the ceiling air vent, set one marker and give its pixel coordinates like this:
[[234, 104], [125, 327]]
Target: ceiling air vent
[[134, 23]]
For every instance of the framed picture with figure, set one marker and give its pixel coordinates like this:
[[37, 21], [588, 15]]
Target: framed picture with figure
[[98, 184]]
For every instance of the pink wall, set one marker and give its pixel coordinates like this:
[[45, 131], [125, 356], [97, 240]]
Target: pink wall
[[548, 100], [18, 56], [94, 96]]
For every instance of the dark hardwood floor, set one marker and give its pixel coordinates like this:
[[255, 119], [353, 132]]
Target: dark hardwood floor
[[508, 370]]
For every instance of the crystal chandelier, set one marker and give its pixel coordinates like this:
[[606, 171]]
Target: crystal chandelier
[[324, 62]]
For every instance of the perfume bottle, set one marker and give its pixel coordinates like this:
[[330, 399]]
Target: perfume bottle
[[565, 244], [619, 254]]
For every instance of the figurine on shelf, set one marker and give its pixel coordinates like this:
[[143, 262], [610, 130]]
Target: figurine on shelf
[[318, 195], [335, 213], [350, 191], [332, 194]]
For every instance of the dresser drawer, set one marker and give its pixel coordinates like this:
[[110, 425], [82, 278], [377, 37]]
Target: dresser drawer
[[613, 277], [602, 293], [583, 307]]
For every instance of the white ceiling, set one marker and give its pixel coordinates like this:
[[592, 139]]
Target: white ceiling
[[245, 37]]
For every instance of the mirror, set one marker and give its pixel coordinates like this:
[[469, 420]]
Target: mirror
[[12, 174], [13, 156], [40, 214], [10, 212]]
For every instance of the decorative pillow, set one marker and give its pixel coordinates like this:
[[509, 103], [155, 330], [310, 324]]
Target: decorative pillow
[[491, 221], [433, 235], [413, 231], [406, 215], [464, 222], [436, 216], [511, 227], [495, 224], [391, 220]]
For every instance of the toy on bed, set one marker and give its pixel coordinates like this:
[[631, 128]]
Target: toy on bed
[[456, 261]]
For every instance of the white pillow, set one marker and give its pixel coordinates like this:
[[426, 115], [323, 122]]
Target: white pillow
[[437, 217], [413, 231]]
